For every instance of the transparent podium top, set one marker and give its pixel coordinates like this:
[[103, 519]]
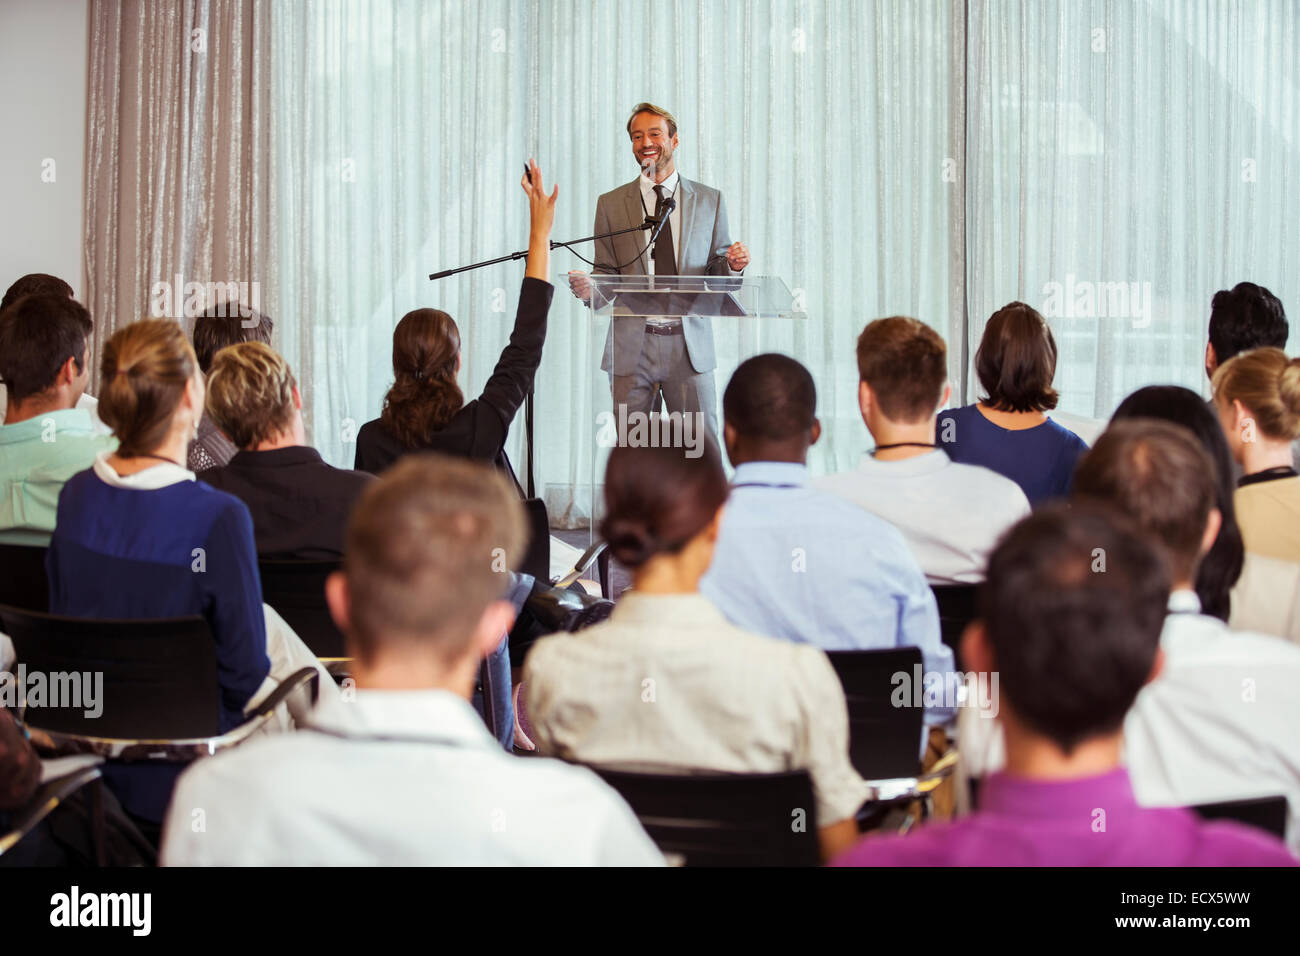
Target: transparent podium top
[[630, 296]]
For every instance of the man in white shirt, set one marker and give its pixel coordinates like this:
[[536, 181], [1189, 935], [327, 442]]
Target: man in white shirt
[[402, 771], [1221, 719], [950, 514]]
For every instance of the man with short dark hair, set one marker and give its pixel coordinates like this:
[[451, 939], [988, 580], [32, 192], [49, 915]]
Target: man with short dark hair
[[226, 323], [406, 773], [670, 356], [1072, 645], [299, 504], [1245, 317], [46, 438], [796, 563], [950, 514]]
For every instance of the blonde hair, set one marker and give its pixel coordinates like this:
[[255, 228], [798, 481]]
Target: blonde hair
[[250, 393], [1267, 383], [145, 368], [656, 111]]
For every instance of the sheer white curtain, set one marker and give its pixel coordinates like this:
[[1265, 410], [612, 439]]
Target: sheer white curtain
[[1121, 147], [832, 128], [935, 159]]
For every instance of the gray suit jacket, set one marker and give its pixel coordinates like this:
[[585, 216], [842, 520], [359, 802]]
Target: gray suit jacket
[[701, 250]]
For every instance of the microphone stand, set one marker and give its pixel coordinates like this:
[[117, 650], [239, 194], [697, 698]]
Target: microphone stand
[[650, 223]]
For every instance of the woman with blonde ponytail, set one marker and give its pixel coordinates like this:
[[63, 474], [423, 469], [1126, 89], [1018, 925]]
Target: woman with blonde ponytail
[[1257, 394], [138, 537]]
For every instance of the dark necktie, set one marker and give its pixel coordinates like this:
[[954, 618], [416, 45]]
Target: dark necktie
[[665, 257]]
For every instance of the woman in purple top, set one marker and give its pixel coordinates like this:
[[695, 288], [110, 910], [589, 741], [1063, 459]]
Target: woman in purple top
[[1007, 430], [1071, 649]]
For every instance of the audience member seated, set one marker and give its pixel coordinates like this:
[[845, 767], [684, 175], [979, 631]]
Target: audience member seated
[[950, 514], [667, 684], [1218, 572], [138, 537], [224, 324], [1072, 647], [1245, 317], [1258, 397], [799, 564], [39, 283], [1007, 430], [1221, 721], [298, 503], [406, 774], [46, 438], [425, 409]]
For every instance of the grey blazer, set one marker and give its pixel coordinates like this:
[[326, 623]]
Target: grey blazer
[[700, 251]]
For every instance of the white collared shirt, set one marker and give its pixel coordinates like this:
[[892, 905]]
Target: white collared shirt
[[397, 778], [668, 685], [649, 201], [1221, 721], [950, 514], [157, 476]]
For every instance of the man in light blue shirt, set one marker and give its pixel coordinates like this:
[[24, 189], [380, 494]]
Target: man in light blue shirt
[[46, 439], [796, 563]]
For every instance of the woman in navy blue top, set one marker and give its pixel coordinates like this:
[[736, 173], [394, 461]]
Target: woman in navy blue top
[[138, 537], [1007, 430]]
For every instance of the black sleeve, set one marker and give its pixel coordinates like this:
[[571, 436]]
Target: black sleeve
[[513, 377]]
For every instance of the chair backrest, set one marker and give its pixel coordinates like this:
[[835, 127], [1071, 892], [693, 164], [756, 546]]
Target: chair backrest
[[22, 577], [725, 819], [125, 680], [1265, 813], [296, 589], [884, 739], [537, 559], [958, 606]]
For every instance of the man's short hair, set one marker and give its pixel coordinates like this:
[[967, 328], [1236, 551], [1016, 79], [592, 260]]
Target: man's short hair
[[1160, 476], [906, 364], [222, 325], [38, 333], [427, 549], [1016, 360], [770, 396], [250, 393], [1073, 604], [35, 283], [1247, 316], [657, 111]]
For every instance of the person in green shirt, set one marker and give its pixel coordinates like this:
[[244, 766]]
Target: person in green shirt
[[45, 438]]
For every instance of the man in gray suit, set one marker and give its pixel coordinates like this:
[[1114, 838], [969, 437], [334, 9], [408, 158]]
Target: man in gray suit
[[671, 356]]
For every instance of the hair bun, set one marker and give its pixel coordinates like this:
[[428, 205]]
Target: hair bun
[[629, 540], [1288, 386]]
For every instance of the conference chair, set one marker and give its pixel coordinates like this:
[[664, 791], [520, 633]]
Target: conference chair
[[296, 590], [724, 819], [1264, 813], [159, 699], [48, 797], [885, 740], [958, 606], [22, 577]]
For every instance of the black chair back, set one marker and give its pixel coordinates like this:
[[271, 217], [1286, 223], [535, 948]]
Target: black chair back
[[22, 577], [884, 740], [296, 589], [1264, 813], [725, 819], [159, 677], [958, 606], [537, 559]]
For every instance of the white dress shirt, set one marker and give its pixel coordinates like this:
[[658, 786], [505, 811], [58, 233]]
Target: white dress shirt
[[668, 685], [396, 778], [1221, 722], [950, 514]]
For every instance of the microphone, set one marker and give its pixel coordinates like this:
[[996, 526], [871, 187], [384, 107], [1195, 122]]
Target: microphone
[[669, 205]]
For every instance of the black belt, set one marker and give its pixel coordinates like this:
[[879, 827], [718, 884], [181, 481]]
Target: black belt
[[663, 329]]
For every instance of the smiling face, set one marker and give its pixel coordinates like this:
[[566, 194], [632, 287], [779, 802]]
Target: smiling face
[[652, 146]]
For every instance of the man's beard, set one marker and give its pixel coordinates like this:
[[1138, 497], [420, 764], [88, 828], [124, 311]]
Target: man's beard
[[651, 166]]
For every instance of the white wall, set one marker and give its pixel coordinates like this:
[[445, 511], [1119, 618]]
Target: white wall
[[42, 118]]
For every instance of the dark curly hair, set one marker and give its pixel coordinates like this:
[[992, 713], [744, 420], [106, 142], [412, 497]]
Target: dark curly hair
[[424, 396]]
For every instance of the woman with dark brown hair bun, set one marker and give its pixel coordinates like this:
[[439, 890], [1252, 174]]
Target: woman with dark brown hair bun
[[425, 409], [1008, 430], [667, 682]]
